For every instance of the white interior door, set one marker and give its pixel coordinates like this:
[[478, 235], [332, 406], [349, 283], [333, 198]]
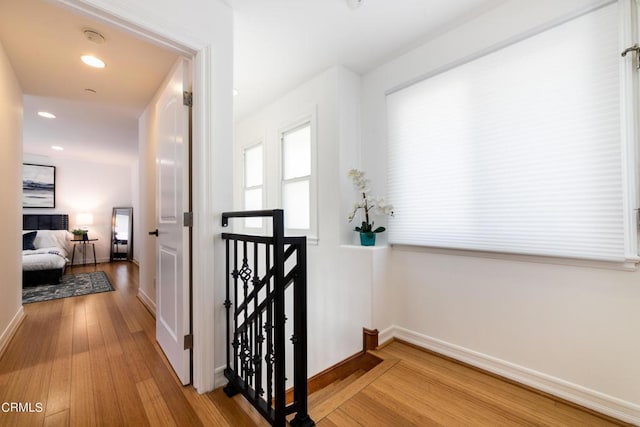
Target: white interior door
[[172, 250]]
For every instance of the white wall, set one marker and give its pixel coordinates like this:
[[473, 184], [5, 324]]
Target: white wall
[[574, 331], [340, 276], [147, 205], [135, 203], [92, 187], [11, 190]]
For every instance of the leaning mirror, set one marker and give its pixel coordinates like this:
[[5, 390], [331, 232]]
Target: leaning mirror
[[122, 234]]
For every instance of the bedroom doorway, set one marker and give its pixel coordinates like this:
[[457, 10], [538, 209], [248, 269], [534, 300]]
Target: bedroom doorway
[[205, 141], [204, 80]]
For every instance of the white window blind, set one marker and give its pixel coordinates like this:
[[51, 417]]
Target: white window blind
[[296, 177], [518, 151], [253, 184]]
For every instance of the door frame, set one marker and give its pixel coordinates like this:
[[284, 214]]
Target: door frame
[[209, 198]]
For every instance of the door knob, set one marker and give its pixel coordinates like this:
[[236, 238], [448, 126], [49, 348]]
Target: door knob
[[154, 233]]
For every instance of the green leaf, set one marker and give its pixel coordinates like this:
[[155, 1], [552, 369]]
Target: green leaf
[[358, 229], [365, 228], [379, 230]]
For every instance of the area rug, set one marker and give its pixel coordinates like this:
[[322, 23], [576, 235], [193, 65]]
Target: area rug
[[71, 285]]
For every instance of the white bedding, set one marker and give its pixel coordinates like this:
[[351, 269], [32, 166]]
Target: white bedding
[[50, 253], [51, 238], [44, 259]]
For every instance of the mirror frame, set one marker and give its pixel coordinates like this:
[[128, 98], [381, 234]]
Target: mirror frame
[[113, 231]]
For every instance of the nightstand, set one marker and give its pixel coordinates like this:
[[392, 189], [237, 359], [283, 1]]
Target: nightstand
[[84, 244]]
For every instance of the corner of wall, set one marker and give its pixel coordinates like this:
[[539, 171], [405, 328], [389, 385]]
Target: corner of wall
[[350, 143], [147, 302], [11, 111]]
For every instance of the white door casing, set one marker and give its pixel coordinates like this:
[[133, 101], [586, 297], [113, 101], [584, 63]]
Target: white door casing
[[172, 249]]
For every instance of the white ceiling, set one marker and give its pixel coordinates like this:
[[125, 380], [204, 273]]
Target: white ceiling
[[44, 44], [278, 45], [92, 131]]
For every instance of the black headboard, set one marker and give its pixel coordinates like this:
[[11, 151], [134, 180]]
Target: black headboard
[[45, 222]]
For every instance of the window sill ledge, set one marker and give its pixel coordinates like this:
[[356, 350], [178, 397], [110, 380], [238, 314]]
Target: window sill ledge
[[365, 248], [623, 265]]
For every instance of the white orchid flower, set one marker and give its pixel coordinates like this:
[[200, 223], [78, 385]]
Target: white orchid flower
[[367, 202]]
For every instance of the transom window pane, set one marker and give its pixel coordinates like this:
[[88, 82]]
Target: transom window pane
[[296, 149], [253, 176], [296, 205], [296, 177]]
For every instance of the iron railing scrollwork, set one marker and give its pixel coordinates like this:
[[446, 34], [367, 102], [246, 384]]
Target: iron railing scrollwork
[[261, 272]]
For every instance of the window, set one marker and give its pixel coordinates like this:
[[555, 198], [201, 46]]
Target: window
[[519, 151], [297, 179], [253, 183]]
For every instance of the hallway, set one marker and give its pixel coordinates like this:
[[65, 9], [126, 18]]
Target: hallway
[[93, 360]]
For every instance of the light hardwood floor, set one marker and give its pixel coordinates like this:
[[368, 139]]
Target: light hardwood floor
[[93, 360], [418, 388]]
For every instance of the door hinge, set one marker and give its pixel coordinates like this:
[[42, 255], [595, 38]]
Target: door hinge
[[187, 219], [187, 98], [635, 48], [188, 342]]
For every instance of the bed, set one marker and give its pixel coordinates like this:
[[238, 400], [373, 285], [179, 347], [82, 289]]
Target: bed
[[45, 248]]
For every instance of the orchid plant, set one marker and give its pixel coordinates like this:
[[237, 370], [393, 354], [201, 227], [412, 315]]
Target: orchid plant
[[369, 204]]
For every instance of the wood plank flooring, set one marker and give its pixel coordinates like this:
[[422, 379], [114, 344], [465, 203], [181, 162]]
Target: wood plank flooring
[[424, 389], [93, 361]]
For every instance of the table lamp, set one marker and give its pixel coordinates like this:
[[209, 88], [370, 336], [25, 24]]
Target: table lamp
[[83, 220]]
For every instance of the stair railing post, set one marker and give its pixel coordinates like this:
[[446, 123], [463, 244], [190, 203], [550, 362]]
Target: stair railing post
[[279, 319], [227, 305], [300, 391], [230, 389]]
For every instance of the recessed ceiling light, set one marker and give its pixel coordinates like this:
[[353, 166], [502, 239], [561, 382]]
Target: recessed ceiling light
[[57, 148], [92, 61], [46, 115], [235, 92]]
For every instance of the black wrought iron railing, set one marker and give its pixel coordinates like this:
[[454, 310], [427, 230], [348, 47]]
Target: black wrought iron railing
[[262, 273]]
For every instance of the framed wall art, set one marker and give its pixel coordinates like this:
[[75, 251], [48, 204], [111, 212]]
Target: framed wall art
[[38, 186]]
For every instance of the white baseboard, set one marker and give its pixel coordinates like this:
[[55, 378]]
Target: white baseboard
[[219, 380], [10, 330], [386, 335], [148, 302], [600, 402], [78, 263]]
